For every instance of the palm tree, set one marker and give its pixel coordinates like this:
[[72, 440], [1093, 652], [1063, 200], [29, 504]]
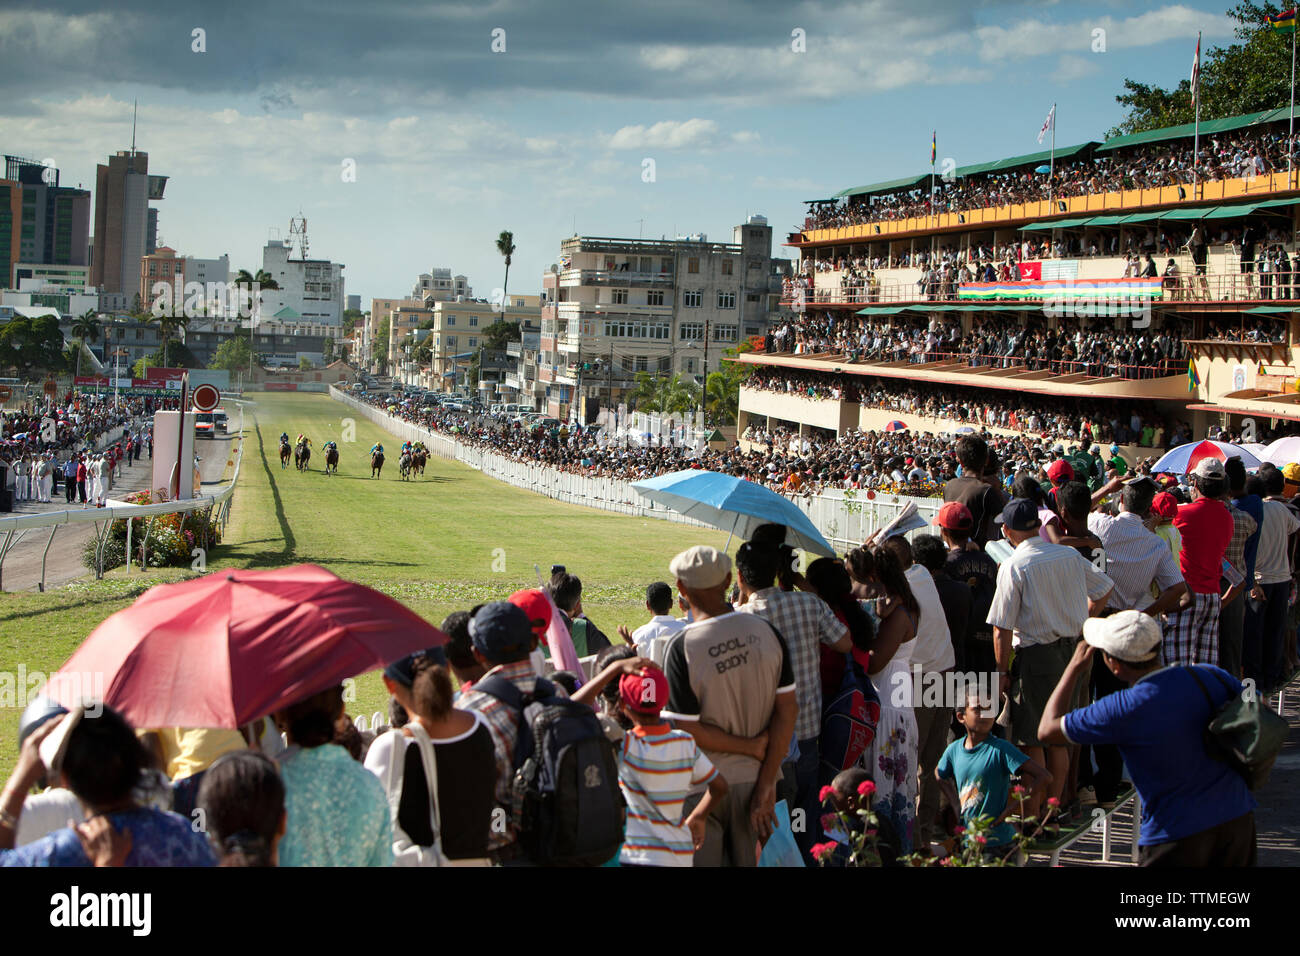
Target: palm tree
[[167, 326], [664, 395], [263, 280], [85, 327], [506, 246], [721, 398]]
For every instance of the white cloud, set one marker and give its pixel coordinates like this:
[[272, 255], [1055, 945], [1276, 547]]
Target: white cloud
[[666, 134]]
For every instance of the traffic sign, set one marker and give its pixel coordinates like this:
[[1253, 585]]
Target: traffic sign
[[207, 397]]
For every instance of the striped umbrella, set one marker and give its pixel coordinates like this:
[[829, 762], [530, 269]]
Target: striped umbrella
[[896, 426], [1183, 459]]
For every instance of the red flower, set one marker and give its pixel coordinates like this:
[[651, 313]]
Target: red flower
[[981, 839], [866, 788], [822, 852], [830, 820], [1053, 802], [958, 830], [825, 794], [1018, 790]]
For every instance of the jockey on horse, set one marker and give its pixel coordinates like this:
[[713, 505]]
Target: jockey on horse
[[284, 450], [376, 460], [331, 450], [302, 453]]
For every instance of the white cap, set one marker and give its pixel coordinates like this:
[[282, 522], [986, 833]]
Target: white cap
[[700, 567], [1209, 468], [1129, 635]]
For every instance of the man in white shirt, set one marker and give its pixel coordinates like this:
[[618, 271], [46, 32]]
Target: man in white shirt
[[1264, 647], [1044, 594], [651, 638], [932, 654]]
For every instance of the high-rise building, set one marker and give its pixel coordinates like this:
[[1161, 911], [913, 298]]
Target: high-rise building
[[124, 229], [11, 226], [616, 307], [55, 219], [310, 290], [439, 285]]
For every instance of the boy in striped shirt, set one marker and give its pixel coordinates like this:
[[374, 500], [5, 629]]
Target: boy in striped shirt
[[657, 769]]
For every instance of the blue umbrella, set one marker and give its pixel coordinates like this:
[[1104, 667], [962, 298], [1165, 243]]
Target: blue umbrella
[[1043, 169], [733, 504]]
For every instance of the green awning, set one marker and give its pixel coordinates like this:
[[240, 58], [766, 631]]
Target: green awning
[[1196, 212], [888, 186], [1106, 220], [1268, 310], [1275, 203], [1140, 217], [1054, 224], [882, 310], [1029, 159], [1187, 130], [1230, 212]]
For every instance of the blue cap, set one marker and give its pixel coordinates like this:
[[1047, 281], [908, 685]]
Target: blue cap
[[36, 713], [1020, 514], [402, 671], [501, 630]]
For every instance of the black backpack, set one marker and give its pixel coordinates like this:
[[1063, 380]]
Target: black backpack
[[570, 808], [1241, 732]]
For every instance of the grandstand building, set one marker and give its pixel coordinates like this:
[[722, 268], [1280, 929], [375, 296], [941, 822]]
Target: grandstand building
[[1007, 286]]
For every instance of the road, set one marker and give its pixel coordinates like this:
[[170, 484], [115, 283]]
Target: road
[[22, 566]]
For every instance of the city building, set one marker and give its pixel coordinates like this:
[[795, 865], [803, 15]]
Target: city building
[[455, 336], [125, 225], [616, 307], [311, 290], [11, 224], [55, 219], [354, 303], [26, 273], [161, 266], [1198, 336], [439, 285]]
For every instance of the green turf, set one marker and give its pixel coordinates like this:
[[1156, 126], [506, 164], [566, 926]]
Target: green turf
[[439, 544]]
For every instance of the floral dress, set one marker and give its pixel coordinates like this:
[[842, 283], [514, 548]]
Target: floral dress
[[891, 758]]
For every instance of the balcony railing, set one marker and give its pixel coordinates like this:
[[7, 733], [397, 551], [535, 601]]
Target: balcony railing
[[1252, 287], [1128, 200], [1014, 364], [614, 277]]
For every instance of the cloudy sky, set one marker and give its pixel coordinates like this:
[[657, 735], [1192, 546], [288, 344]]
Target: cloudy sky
[[409, 142]]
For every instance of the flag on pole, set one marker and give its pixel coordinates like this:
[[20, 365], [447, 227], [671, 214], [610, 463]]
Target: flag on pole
[[1193, 378], [1284, 22], [934, 147], [1196, 72], [1048, 124]]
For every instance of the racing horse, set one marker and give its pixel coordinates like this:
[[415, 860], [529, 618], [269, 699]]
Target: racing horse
[[284, 454], [331, 461], [376, 464], [418, 460], [301, 455], [404, 466]]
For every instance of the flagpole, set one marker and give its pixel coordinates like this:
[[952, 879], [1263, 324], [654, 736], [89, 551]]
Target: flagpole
[[1196, 137], [1051, 171], [1290, 130]]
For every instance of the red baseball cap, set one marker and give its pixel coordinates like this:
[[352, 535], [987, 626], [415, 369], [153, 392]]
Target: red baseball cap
[[954, 516], [1164, 505], [646, 692], [534, 603], [1060, 471]]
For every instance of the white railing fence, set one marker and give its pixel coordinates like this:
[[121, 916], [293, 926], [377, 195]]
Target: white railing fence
[[845, 519], [216, 506]]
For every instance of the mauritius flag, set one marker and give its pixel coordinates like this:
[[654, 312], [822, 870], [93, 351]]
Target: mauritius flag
[[934, 147], [1193, 379], [1283, 22]]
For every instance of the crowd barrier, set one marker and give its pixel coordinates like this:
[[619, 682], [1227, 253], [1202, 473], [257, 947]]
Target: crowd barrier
[[217, 504], [844, 518]]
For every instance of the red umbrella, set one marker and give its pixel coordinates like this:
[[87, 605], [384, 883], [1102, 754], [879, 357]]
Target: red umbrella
[[896, 426], [230, 647]]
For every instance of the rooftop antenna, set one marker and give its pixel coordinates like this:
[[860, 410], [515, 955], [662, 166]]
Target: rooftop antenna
[[298, 228], [640, 233], [135, 109]]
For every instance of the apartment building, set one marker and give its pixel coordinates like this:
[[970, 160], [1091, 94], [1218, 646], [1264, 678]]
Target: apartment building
[[616, 307]]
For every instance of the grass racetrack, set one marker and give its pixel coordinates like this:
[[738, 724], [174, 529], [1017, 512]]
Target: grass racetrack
[[440, 543]]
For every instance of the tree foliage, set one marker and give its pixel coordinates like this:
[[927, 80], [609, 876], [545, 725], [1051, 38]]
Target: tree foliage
[[232, 354], [659, 393], [32, 345], [1247, 76]]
